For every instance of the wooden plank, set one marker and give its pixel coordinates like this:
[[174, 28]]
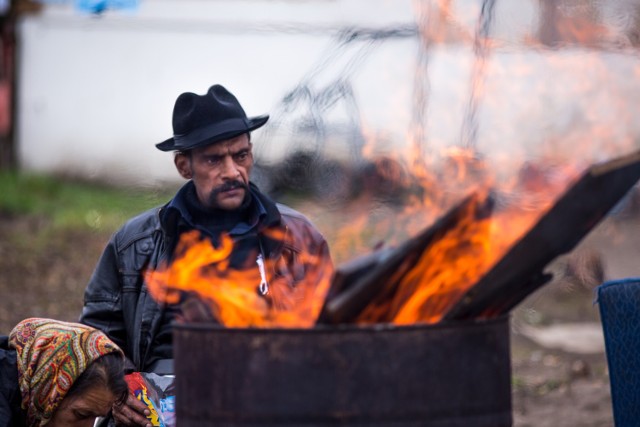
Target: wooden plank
[[521, 271]]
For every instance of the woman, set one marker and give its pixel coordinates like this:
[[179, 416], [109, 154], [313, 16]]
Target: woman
[[58, 374]]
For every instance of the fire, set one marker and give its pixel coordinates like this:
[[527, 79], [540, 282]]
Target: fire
[[455, 260], [463, 253], [527, 133], [232, 294], [421, 292], [455, 263]]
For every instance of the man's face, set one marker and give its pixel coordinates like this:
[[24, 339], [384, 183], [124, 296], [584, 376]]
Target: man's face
[[219, 171]]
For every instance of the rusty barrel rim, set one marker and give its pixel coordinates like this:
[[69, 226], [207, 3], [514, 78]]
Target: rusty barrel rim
[[346, 327]]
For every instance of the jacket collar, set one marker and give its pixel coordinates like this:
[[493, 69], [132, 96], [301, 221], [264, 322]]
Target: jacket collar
[[176, 211]]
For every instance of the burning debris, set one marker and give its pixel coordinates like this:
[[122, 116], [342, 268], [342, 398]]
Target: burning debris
[[238, 297], [391, 288], [414, 332], [451, 270]]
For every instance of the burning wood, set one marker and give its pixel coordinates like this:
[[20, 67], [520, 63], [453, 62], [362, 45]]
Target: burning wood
[[376, 288], [395, 287], [572, 217], [454, 269]]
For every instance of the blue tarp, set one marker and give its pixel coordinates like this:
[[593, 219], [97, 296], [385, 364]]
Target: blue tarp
[[619, 302]]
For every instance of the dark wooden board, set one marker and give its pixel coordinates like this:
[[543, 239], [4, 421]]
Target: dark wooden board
[[521, 271]]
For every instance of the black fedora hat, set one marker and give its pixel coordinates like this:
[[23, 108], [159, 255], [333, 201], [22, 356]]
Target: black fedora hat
[[200, 120]]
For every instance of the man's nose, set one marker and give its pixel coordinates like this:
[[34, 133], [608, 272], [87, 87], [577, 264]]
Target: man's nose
[[230, 169]]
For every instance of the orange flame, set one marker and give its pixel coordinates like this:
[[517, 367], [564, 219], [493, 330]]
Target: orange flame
[[233, 294], [462, 255], [452, 263], [455, 263], [458, 259]]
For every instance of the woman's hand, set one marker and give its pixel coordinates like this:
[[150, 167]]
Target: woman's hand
[[132, 413]]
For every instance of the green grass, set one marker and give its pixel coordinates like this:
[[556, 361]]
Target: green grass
[[74, 204]]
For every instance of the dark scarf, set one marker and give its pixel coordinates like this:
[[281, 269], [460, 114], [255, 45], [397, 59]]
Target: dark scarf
[[215, 220]]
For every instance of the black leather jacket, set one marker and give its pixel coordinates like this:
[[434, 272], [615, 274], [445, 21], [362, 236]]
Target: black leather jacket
[[116, 299]]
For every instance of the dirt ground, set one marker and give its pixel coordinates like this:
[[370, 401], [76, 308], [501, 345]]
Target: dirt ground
[[556, 382]]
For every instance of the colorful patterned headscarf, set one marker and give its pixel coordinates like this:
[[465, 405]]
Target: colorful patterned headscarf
[[51, 356]]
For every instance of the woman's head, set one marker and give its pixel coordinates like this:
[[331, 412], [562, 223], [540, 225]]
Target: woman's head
[[68, 373]]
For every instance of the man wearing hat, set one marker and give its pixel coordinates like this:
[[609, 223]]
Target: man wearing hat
[[212, 149]]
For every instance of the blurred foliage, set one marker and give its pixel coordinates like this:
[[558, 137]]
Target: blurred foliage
[[67, 203]]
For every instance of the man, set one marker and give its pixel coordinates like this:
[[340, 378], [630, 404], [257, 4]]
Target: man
[[213, 151]]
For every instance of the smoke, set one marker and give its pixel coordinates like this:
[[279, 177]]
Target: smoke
[[491, 93]]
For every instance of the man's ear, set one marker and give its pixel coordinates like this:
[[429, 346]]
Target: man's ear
[[183, 164]]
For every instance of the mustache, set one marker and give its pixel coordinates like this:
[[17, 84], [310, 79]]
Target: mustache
[[227, 186]]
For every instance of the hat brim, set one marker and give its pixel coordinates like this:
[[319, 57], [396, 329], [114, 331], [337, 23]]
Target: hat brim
[[253, 123]]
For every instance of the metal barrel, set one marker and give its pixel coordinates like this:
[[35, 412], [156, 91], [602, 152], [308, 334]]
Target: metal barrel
[[450, 374]]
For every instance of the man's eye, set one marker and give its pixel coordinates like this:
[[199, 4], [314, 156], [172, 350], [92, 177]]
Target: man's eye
[[242, 156]]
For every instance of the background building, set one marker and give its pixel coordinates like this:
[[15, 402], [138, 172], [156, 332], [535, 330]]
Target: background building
[[346, 78]]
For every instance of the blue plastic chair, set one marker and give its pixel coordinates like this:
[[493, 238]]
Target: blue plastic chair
[[619, 302]]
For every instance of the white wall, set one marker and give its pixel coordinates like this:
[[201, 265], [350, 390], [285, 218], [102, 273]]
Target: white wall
[[96, 93]]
